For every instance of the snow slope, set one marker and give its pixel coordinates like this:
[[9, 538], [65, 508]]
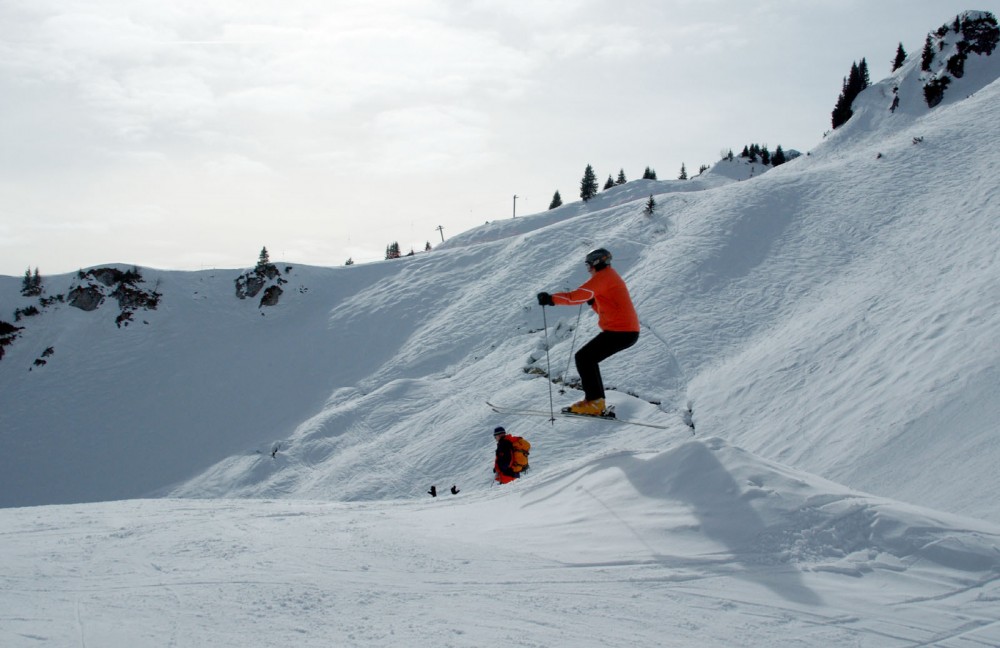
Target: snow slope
[[828, 328], [699, 545]]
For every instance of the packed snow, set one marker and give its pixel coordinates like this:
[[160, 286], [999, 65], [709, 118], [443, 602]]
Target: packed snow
[[819, 341]]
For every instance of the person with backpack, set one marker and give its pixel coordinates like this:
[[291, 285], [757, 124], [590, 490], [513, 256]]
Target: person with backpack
[[607, 294], [511, 456]]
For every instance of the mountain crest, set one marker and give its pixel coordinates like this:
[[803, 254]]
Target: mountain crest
[[947, 50]]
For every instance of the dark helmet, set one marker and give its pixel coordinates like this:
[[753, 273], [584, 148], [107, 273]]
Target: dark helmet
[[497, 431], [598, 259]]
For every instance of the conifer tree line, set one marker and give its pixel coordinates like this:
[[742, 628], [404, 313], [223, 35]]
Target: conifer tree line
[[589, 184], [852, 86], [755, 152], [393, 251], [31, 285]]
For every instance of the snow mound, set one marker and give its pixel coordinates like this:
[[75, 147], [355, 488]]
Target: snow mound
[[708, 501]]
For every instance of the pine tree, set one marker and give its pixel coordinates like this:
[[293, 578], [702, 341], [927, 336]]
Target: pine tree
[[31, 286], [588, 184], [650, 206], [842, 109], [927, 56], [684, 173], [779, 156], [621, 177], [934, 90], [610, 183], [852, 86], [264, 259], [556, 200], [392, 250], [349, 262], [649, 174], [900, 58], [980, 36]]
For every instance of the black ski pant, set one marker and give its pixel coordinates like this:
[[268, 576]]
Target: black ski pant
[[602, 347]]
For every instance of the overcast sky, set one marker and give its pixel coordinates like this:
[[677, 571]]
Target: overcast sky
[[188, 134]]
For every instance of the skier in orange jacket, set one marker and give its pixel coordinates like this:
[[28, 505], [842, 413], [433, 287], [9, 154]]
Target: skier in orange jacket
[[503, 470], [607, 294]]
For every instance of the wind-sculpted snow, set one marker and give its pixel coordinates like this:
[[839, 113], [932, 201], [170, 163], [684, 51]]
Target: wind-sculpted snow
[[730, 503], [700, 545]]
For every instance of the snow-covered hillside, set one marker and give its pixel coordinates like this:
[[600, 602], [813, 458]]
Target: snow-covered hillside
[[819, 339], [698, 545]]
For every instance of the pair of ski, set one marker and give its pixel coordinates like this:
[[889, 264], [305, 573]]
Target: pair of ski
[[503, 409]]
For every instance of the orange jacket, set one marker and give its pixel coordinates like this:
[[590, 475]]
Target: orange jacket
[[502, 470], [612, 303]]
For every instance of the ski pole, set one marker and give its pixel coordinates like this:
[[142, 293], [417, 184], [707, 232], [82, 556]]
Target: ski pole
[[572, 345], [548, 367]]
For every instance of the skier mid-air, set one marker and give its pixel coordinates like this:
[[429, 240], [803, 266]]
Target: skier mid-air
[[607, 294]]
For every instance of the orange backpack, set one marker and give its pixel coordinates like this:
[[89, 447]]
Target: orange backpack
[[519, 454]]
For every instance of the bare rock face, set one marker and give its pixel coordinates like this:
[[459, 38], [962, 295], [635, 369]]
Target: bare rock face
[[248, 285], [271, 296], [86, 298], [131, 297]]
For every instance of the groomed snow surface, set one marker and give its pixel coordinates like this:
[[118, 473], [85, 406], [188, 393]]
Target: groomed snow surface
[[820, 340], [699, 545]]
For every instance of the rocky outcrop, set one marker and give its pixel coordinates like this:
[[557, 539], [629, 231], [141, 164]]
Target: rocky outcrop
[[8, 333], [264, 275], [131, 298], [271, 296], [86, 298], [947, 50], [123, 286]]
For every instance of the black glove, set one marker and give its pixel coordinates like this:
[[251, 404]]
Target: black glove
[[545, 299]]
